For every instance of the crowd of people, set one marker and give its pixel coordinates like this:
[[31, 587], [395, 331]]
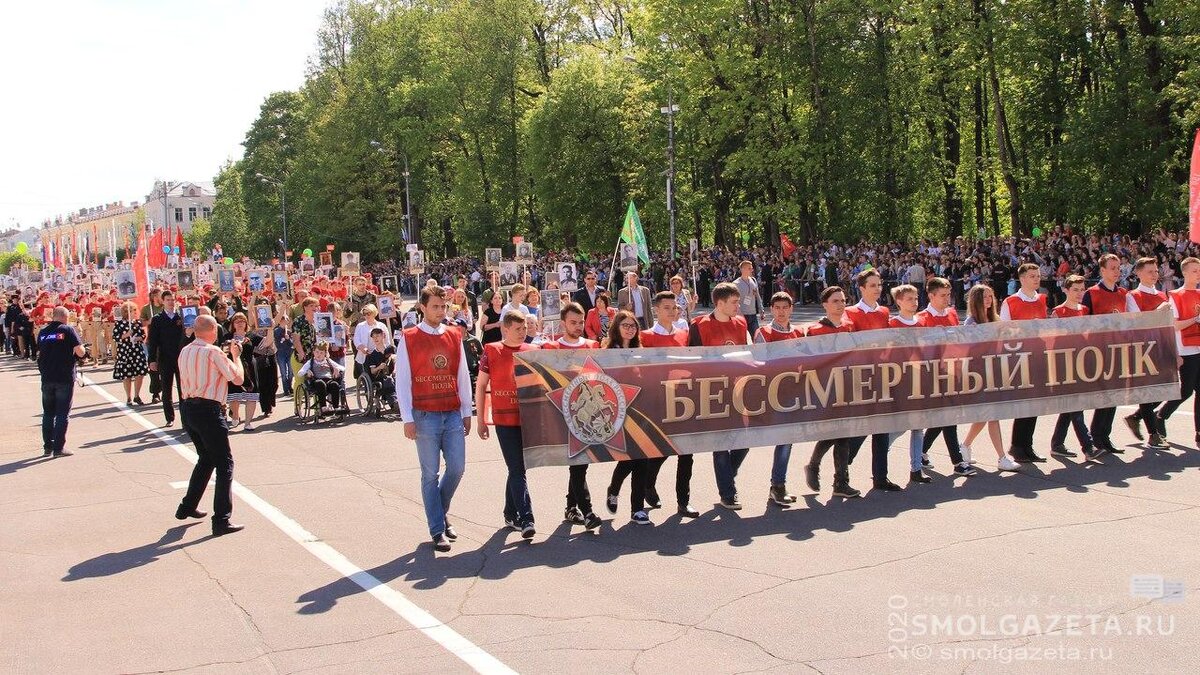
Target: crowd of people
[[449, 358]]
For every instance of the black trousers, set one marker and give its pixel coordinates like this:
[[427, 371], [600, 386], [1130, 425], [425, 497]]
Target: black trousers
[[1189, 385], [326, 391], [168, 372], [267, 372], [639, 470], [949, 433], [577, 489], [841, 457], [879, 450], [205, 423], [1022, 432]]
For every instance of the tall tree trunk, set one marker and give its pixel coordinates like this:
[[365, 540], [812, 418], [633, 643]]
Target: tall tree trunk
[[977, 7], [951, 135], [1003, 139]]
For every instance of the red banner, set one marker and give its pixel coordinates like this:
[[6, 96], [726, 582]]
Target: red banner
[[580, 406], [1194, 193]]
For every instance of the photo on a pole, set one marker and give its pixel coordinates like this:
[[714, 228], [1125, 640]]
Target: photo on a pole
[[567, 277], [416, 262], [628, 258], [510, 272], [492, 258], [525, 253]]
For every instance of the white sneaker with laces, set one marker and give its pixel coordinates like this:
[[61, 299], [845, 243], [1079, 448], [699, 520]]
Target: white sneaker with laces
[[1007, 464], [966, 453]]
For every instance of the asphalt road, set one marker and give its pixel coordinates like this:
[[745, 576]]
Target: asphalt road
[[1059, 567]]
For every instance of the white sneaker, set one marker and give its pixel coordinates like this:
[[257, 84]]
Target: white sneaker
[[1006, 464], [966, 453]]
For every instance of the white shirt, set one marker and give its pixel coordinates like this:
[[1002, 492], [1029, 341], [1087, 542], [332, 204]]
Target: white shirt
[[513, 308], [933, 312], [908, 322], [362, 338], [635, 297], [403, 375], [862, 304]]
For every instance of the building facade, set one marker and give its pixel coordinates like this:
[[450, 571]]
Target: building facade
[[177, 204]]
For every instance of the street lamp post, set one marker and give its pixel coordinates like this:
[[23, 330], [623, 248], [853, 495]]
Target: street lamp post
[[669, 110], [408, 226], [282, 209]]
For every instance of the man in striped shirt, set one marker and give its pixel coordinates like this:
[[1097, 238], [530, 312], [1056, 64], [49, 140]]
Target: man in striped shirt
[[205, 374]]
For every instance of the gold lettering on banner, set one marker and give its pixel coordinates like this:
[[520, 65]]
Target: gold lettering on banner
[[1113, 361], [972, 381], [1052, 367], [1009, 373], [833, 386], [1081, 364], [773, 392], [944, 380], [1143, 363], [890, 375], [739, 395], [860, 384], [915, 367], [675, 401], [708, 397]]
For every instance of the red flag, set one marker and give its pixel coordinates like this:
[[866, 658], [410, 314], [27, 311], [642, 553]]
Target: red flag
[[788, 247], [179, 243], [1194, 193], [141, 268]]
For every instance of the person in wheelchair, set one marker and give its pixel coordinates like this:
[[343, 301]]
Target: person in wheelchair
[[323, 377], [379, 364]]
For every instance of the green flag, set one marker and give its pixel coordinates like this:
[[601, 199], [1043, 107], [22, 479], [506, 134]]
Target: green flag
[[631, 233]]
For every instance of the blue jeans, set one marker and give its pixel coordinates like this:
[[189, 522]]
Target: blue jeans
[[1075, 421], [439, 434], [725, 465], [779, 465], [517, 507], [285, 369], [56, 407]]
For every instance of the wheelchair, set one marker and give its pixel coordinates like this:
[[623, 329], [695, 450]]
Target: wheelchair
[[307, 410], [369, 399]]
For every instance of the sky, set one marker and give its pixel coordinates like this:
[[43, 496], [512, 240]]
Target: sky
[[101, 98]]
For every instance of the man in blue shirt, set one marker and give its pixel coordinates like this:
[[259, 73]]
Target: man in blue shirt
[[58, 349]]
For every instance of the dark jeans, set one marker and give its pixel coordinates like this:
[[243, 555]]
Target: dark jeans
[[1075, 421], [1101, 428], [639, 469], [167, 373], [517, 506], [949, 433], [879, 449], [683, 478], [841, 457], [56, 407], [577, 489], [725, 465], [205, 423], [268, 381], [1189, 386]]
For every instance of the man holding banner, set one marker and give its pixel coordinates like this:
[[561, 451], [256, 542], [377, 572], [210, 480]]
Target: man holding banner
[[724, 326], [778, 330], [1145, 298], [1185, 307], [1024, 305], [833, 299], [1106, 297]]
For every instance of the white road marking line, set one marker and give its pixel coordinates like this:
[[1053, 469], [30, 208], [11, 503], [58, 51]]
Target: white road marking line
[[456, 644]]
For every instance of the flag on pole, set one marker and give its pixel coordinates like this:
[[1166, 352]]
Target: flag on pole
[[141, 269], [631, 233], [179, 243], [1194, 193], [788, 247]]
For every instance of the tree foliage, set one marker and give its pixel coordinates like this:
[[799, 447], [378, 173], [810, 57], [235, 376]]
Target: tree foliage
[[816, 118]]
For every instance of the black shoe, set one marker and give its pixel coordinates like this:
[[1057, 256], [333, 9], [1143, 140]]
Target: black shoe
[[154, 399], [1034, 457], [592, 521], [640, 518], [170, 423], [137, 400], [844, 490], [62, 453], [965, 469], [611, 502], [1135, 426], [687, 511], [1020, 456], [516, 527], [1197, 438], [440, 543], [779, 495], [572, 515], [1161, 426], [1094, 453], [812, 476], [1156, 441], [886, 485], [180, 514], [1114, 449], [450, 533], [226, 528], [47, 453], [527, 530], [652, 500], [918, 477], [1062, 451]]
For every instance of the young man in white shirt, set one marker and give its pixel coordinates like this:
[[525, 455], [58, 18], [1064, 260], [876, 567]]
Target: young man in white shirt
[[1145, 298], [1185, 307], [1026, 304]]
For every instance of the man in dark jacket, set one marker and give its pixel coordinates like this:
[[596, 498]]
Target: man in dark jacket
[[164, 343], [60, 348]]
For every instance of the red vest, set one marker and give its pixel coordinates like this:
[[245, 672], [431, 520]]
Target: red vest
[[1187, 303], [1064, 312], [433, 361], [1148, 302], [584, 344], [1023, 310], [502, 382], [895, 322], [1104, 301], [676, 339], [769, 334], [868, 320], [929, 319], [715, 333], [819, 328]]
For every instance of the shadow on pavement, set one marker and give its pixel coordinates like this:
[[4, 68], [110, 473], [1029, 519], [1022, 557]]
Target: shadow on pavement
[[13, 467], [502, 554], [108, 564]]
